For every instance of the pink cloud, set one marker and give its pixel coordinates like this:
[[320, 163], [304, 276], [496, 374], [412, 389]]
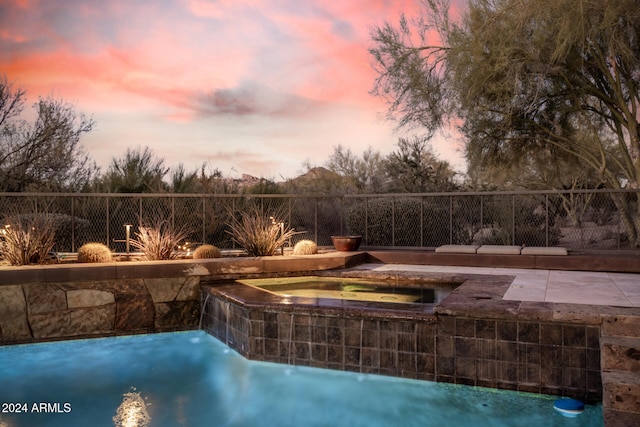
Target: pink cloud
[[212, 9], [12, 36], [180, 55], [191, 68]]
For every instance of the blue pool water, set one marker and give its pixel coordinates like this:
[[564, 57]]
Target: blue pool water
[[191, 379]]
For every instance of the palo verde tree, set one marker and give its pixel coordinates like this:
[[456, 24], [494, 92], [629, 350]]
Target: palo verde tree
[[46, 154], [520, 78]]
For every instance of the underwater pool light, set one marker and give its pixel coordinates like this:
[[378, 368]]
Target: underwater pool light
[[570, 408]]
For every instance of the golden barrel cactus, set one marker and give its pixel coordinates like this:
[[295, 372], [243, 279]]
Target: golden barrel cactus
[[206, 251], [305, 247], [94, 252]]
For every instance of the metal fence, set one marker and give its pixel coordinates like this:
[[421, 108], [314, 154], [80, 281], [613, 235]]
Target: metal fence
[[573, 219]]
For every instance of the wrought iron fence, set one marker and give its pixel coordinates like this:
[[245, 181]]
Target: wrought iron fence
[[587, 219]]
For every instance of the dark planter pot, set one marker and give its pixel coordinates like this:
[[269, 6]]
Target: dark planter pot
[[346, 243]]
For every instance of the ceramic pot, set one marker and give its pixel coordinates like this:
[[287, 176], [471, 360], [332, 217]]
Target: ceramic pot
[[346, 243]]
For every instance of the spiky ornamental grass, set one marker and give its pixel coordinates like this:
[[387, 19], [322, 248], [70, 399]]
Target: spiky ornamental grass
[[27, 239], [160, 241], [258, 234]]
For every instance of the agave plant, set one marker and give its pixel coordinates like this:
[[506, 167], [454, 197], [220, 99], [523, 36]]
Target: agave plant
[[160, 241], [258, 234]]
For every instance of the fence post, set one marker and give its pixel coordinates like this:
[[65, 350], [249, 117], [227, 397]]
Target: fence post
[[451, 220], [173, 212], [618, 231], [73, 225], [315, 219], [422, 222], [342, 215], [546, 201], [513, 219], [204, 220], [108, 221], [481, 212], [393, 221], [233, 211], [366, 220]]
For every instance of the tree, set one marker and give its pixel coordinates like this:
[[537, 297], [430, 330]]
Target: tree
[[183, 181], [524, 78], [544, 171], [415, 168], [45, 155], [360, 174], [138, 171]]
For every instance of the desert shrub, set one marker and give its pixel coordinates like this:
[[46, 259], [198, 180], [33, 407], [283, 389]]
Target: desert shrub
[[437, 220], [305, 247], [372, 219], [66, 227], [27, 239], [489, 236], [319, 216], [404, 221], [532, 235], [94, 252], [206, 251], [257, 233], [518, 221], [159, 242]]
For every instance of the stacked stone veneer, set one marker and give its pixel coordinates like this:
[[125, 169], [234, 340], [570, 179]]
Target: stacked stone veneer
[[37, 311], [39, 303], [620, 346]]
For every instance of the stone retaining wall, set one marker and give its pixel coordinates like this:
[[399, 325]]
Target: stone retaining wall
[[59, 310], [66, 301]]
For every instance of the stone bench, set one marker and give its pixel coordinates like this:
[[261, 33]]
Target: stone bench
[[501, 250], [542, 250], [457, 249]]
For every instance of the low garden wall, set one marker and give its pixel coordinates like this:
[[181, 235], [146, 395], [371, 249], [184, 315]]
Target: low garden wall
[[52, 302], [41, 311]]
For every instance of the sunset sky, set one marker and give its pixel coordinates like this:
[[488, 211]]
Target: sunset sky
[[247, 86]]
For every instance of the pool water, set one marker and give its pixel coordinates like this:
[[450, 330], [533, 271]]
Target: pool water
[[191, 379], [355, 289]]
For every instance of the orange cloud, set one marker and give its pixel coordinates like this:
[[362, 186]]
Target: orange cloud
[[330, 48], [249, 72]]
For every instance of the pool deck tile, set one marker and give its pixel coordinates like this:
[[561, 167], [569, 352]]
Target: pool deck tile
[[553, 286]]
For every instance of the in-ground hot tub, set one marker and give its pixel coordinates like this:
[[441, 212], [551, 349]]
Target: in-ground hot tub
[[472, 337], [370, 322], [355, 289]]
